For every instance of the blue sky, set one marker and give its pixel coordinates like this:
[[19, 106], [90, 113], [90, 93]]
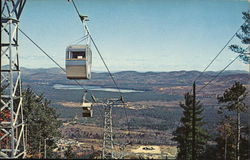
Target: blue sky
[[140, 35]]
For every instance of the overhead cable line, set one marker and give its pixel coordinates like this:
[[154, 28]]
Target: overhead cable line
[[110, 74], [99, 53], [83, 39], [49, 57], [42, 50], [106, 66], [218, 73], [80, 39], [218, 53], [57, 64]]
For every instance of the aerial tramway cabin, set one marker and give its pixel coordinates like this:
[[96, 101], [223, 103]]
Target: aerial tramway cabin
[[78, 62]]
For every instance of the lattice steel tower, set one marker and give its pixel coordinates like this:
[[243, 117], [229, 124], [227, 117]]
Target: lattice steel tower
[[12, 139], [107, 151]]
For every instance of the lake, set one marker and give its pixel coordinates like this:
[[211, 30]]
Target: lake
[[94, 88]]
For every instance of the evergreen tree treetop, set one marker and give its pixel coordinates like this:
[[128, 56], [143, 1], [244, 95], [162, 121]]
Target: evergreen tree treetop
[[234, 95], [183, 133], [244, 36]]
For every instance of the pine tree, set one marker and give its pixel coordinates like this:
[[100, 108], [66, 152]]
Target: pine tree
[[244, 143], [183, 133], [226, 140], [41, 122], [234, 100], [244, 36]]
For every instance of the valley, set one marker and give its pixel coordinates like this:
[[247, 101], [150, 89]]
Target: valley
[[153, 110]]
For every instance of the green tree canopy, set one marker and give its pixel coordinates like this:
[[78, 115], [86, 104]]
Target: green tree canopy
[[244, 37], [42, 123], [231, 131], [183, 133], [234, 98]]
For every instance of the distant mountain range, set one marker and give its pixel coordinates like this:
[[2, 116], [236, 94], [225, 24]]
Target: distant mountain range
[[154, 81]]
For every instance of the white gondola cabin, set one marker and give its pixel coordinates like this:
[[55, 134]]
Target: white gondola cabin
[[78, 62]]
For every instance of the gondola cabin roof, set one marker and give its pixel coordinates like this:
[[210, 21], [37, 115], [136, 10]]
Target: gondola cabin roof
[[77, 47]]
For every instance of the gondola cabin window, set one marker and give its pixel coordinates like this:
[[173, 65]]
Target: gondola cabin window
[[78, 55]]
